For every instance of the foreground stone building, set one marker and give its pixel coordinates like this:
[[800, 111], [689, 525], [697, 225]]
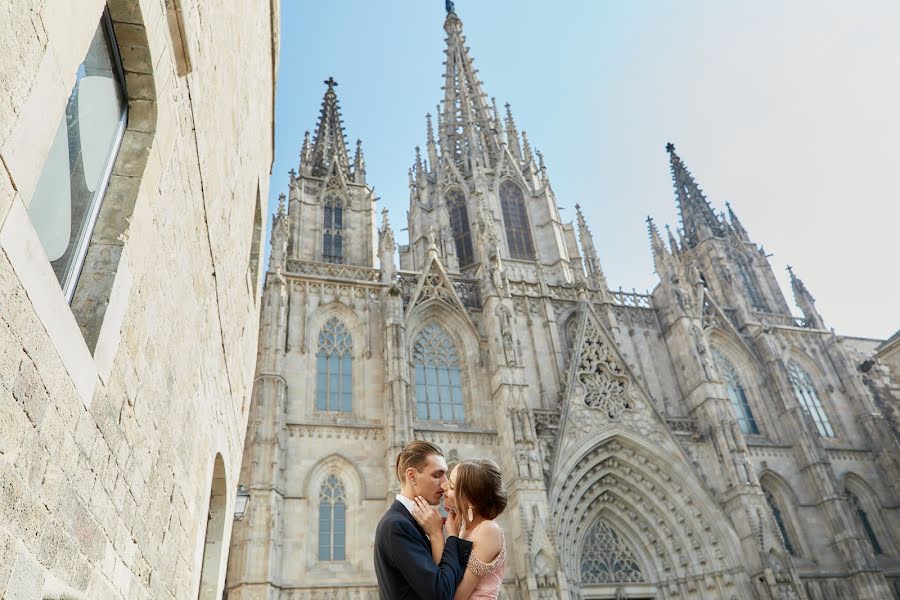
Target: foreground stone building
[[697, 442], [136, 148]]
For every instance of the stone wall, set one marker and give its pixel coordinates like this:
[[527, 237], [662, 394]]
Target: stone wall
[[115, 423]]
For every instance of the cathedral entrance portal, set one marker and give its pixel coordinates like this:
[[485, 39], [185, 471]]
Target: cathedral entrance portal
[[629, 592]]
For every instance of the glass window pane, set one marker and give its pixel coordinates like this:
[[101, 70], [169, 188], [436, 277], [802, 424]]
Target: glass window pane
[[68, 192], [338, 217]]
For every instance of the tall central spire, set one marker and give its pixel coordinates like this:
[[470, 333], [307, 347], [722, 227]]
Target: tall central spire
[[467, 130], [697, 216], [329, 144]]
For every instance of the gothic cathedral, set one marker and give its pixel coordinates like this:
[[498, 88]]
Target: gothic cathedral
[[697, 442]]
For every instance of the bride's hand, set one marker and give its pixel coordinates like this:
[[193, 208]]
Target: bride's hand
[[452, 523], [428, 517]]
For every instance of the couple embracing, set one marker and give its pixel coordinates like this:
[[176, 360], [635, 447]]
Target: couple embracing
[[421, 556]]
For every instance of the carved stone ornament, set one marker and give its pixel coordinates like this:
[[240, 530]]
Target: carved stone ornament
[[606, 385]]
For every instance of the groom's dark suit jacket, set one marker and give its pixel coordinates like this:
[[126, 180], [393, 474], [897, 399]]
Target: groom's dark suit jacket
[[403, 560]]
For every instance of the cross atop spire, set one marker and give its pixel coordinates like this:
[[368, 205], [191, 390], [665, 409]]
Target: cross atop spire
[[329, 143], [697, 216]]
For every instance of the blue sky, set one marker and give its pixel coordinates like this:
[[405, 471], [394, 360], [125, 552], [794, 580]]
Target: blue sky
[[788, 110]]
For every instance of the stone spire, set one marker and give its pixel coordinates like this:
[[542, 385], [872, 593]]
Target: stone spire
[[386, 247], [736, 225], [512, 133], [359, 164], [662, 257], [280, 232], [466, 131], [305, 149], [805, 301], [430, 144], [673, 243], [329, 144], [697, 217], [596, 278]]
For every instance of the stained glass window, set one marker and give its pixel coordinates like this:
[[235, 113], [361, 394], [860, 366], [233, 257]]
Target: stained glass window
[[459, 223], [779, 521], [332, 519], [518, 232], [806, 395], [736, 394], [864, 521], [749, 279], [334, 368], [333, 230], [437, 372], [605, 558]]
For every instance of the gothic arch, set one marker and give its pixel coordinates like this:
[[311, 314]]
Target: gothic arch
[[786, 500], [464, 337], [456, 202], [507, 168], [348, 316], [517, 222], [681, 532], [344, 468], [630, 537], [871, 504], [817, 377], [361, 403], [215, 542], [350, 477], [748, 371]]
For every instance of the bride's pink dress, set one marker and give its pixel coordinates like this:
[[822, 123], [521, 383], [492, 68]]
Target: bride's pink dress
[[488, 587]]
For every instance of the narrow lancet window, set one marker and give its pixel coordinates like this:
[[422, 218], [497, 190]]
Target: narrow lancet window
[[459, 223], [749, 280], [736, 394], [332, 520], [333, 230], [864, 522], [806, 395], [779, 522], [334, 368], [437, 372], [515, 217]]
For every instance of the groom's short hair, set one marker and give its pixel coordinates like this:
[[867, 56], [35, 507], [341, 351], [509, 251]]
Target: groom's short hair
[[414, 454]]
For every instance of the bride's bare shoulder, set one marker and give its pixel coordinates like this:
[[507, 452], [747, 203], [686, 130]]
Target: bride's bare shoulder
[[488, 536]]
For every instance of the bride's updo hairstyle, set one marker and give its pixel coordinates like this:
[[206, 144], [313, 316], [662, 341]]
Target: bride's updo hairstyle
[[479, 485]]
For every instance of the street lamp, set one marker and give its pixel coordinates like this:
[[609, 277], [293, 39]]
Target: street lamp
[[241, 501]]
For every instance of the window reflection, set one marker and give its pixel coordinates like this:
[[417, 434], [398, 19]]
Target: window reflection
[[71, 185]]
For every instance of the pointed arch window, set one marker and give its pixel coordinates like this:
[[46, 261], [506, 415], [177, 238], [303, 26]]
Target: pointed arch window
[[515, 217], [334, 368], [779, 521], [332, 520], [459, 223], [864, 522], [736, 394], [605, 558], [749, 281], [333, 230], [437, 375], [806, 395]]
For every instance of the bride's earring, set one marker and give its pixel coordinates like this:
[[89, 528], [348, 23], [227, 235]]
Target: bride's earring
[[470, 515]]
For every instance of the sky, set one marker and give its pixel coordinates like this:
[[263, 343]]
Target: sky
[[790, 111]]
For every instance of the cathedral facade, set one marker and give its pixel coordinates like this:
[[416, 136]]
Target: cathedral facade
[[696, 442]]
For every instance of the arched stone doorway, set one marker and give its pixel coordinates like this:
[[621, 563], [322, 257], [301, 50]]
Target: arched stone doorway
[[214, 544]]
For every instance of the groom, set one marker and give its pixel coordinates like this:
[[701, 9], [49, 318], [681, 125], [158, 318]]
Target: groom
[[403, 560]]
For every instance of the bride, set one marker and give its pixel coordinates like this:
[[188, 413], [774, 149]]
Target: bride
[[474, 497]]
